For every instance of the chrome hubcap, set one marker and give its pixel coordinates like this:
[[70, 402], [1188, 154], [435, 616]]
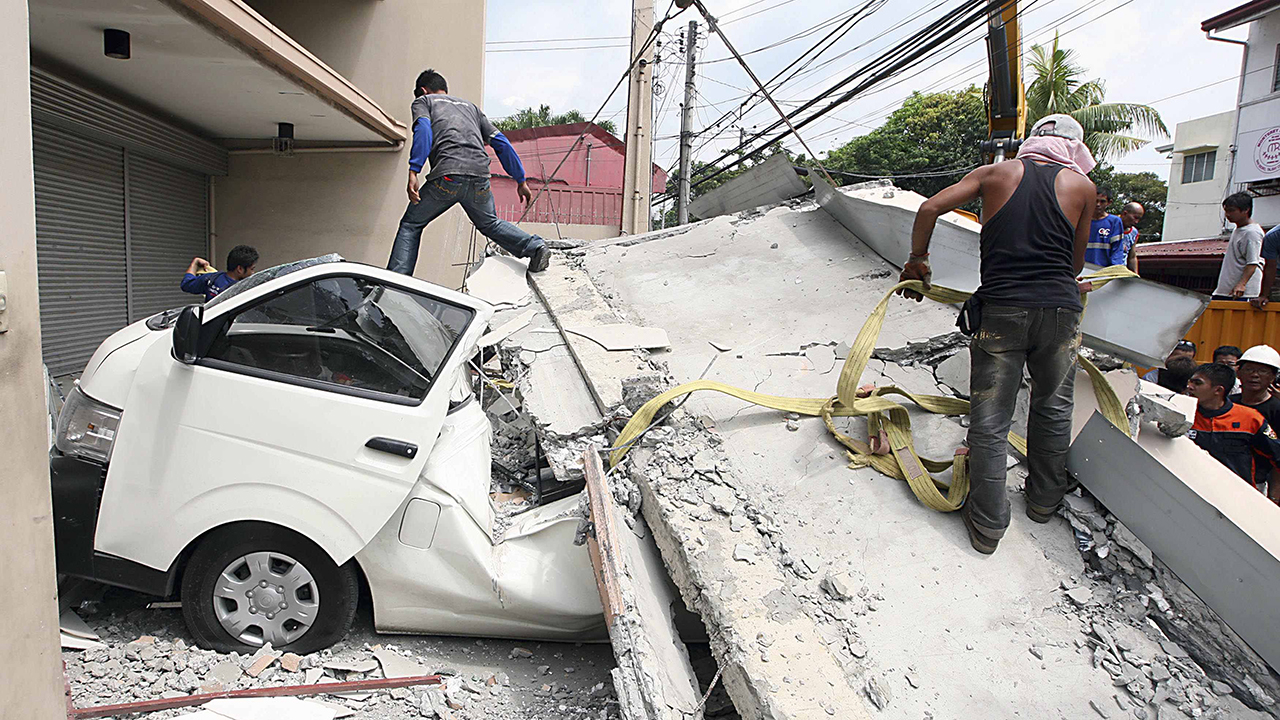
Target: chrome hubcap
[[266, 597]]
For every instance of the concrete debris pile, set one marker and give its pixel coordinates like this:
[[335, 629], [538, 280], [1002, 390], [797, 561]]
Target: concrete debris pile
[[481, 678], [1195, 659]]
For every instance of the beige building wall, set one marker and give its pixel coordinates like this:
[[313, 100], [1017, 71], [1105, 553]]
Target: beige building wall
[[31, 684], [350, 203]]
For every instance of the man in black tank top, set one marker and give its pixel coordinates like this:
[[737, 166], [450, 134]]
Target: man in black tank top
[[1036, 213]]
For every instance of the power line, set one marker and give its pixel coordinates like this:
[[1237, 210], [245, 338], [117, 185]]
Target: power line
[[915, 48], [549, 40], [557, 49]]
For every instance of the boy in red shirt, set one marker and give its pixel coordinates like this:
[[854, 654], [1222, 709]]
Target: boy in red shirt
[[1235, 435]]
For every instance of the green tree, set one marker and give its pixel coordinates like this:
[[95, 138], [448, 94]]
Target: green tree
[[1110, 129], [530, 118], [925, 145], [1145, 187]]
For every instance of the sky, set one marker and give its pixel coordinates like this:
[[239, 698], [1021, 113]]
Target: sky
[[1146, 51]]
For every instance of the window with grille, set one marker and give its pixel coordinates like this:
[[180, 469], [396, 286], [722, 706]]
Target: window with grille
[[1198, 167]]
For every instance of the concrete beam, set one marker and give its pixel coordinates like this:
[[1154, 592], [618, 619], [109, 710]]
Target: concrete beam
[[574, 301], [768, 183], [1219, 535], [1119, 321]]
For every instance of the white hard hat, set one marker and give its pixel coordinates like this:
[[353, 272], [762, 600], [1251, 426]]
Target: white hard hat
[[1263, 355]]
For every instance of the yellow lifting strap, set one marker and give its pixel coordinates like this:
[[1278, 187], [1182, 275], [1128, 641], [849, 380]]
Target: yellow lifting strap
[[882, 413]]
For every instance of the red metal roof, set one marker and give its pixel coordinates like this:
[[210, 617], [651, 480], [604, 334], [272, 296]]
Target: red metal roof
[[1184, 249], [1239, 15]]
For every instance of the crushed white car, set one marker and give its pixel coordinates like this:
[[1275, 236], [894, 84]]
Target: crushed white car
[[311, 428]]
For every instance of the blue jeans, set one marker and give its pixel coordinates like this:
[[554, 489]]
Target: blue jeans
[[1045, 341], [440, 194]]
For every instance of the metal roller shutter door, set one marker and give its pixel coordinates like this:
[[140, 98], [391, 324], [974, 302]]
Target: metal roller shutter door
[[168, 225], [80, 245]]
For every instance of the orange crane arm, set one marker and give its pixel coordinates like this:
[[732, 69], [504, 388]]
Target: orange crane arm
[[1006, 97]]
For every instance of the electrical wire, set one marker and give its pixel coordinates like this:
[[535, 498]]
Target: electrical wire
[[653, 35], [914, 49]]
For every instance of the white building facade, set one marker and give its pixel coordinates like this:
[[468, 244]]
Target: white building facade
[[1255, 166], [1199, 176]]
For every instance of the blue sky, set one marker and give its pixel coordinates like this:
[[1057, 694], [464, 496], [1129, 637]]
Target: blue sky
[[1148, 51]]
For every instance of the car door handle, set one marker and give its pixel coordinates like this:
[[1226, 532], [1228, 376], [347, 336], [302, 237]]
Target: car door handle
[[395, 447]]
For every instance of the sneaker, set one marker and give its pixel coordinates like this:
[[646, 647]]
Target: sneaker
[[540, 259], [979, 537], [1041, 515]]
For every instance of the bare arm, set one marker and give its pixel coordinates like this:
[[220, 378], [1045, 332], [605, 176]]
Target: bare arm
[[1239, 289], [1133, 258], [197, 264], [1264, 295]]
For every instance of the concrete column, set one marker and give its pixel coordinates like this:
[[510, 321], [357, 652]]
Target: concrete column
[[31, 684], [637, 178]]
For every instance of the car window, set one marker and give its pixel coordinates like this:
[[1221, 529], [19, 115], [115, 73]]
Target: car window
[[346, 332]]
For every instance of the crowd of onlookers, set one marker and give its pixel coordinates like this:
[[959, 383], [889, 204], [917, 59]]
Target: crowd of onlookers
[[1237, 408]]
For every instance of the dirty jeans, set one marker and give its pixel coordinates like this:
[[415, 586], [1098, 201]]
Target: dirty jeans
[[1045, 340], [442, 193]]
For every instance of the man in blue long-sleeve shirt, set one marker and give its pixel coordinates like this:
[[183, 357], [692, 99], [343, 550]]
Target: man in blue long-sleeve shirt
[[452, 133], [201, 279]]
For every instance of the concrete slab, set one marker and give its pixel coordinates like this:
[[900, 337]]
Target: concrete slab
[[1218, 534], [943, 630], [772, 181], [574, 301]]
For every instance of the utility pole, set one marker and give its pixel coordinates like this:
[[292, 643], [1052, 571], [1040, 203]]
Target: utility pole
[[686, 123], [637, 177]]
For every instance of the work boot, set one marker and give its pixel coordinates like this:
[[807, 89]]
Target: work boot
[[1040, 514], [984, 540], [540, 259]]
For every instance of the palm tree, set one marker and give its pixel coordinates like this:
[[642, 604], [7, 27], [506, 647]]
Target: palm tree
[[1110, 129], [530, 118]]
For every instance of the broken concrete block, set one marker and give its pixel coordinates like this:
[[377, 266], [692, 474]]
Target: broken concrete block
[[520, 652], [262, 663], [1080, 595], [290, 662], [745, 553], [1127, 540], [1170, 419], [878, 692], [837, 586], [954, 372], [226, 672]]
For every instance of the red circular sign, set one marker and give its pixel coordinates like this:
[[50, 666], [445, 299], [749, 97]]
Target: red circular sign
[[1267, 154]]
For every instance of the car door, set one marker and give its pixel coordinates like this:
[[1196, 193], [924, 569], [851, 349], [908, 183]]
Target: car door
[[313, 406]]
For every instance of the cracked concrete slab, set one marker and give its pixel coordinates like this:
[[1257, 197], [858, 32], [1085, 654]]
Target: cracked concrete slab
[[942, 631]]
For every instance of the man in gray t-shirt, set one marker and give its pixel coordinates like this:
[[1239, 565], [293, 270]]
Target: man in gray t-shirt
[[452, 133], [1240, 277]]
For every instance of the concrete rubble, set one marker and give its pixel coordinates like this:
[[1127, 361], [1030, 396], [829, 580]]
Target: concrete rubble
[[827, 591], [147, 654]]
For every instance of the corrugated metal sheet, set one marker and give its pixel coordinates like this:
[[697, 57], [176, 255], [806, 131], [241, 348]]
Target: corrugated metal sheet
[[80, 248], [565, 205], [1233, 322], [168, 225], [59, 102]]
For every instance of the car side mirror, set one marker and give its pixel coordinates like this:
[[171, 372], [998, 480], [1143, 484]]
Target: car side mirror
[[186, 334]]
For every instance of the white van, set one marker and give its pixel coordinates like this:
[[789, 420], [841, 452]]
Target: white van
[[311, 428]]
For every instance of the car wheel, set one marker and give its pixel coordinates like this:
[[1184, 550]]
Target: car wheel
[[249, 584]]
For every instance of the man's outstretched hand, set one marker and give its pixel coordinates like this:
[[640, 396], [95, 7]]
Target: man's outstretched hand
[[414, 197], [915, 269], [522, 190]]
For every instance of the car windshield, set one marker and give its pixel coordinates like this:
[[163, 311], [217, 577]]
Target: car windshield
[[270, 274]]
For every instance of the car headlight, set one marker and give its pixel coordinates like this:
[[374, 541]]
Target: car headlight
[[86, 427]]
